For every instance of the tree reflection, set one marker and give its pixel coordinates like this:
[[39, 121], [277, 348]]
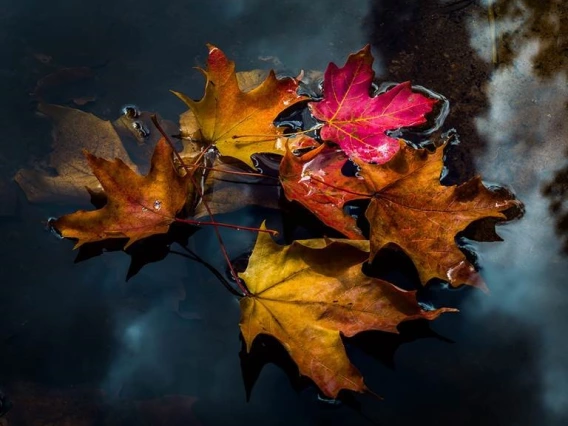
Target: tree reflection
[[428, 42], [544, 20], [557, 191]]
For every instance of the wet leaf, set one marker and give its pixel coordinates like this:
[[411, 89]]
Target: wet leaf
[[358, 122], [68, 173], [315, 180], [413, 210], [310, 293], [73, 130], [240, 123], [137, 206]]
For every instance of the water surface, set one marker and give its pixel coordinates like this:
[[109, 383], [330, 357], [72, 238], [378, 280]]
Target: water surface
[[75, 338]]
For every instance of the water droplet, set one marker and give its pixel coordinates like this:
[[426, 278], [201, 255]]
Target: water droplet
[[143, 131], [131, 111], [157, 205]]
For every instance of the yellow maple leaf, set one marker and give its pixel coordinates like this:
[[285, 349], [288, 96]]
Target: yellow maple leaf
[[310, 293]]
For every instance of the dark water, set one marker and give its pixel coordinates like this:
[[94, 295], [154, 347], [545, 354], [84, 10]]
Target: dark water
[[79, 345]]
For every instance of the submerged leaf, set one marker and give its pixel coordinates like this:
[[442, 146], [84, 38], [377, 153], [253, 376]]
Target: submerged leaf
[[73, 130], [358, 122], [137, 206], [225, 191], [310, 293], [239, 123], [413, 210]]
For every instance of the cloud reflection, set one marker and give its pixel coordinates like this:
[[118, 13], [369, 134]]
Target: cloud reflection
[[527, 134]]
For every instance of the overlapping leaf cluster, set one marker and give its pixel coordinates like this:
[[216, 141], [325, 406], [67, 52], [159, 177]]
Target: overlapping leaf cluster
[[312, 292]]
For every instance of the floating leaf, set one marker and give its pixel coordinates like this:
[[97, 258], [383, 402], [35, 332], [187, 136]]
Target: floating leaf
[[240, 123], [310, 293], [358, 122], [137, 206], [413, 210]]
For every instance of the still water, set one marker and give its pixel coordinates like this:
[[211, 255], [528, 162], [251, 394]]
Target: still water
[[80, 345]]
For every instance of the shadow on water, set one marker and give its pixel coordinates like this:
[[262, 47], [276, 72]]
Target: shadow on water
[[79, 344]]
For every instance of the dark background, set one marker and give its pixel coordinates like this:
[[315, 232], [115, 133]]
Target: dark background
[[79, 345]]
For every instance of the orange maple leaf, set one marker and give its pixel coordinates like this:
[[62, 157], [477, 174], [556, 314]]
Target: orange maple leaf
[[310, 293], [137, 206], [240, 123]]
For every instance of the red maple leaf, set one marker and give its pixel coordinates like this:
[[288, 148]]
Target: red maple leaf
[[358, 122]]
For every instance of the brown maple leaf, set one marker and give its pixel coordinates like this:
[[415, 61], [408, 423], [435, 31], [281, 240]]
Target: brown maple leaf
[[240, 123], [310, 293], [412, 209], [137, 206]]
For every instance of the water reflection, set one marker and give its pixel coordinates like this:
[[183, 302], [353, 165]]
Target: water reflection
[[413, 40], [523, 21], [64, 324], [527, 133]]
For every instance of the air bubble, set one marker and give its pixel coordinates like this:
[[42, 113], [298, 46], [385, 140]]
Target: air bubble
[[130, 111], [157, 205], [141, 128]]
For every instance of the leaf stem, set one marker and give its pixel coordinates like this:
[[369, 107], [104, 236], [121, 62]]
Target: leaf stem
[[301, 132], [195, 257], [235, 173], [226, 225], [241, 286]]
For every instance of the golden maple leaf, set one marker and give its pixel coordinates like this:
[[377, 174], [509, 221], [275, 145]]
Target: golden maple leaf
[[240, 123], [137, 206], [310, 293]]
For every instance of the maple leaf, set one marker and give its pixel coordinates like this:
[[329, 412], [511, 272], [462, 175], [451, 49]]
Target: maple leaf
[[356, 121], [240, 123], [73, 128], [137, 206], [411, 209], [315, 180], [311, 292]]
